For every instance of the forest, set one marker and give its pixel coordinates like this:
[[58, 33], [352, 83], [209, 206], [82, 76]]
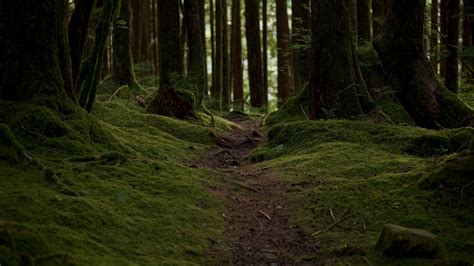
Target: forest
[[236, 132]]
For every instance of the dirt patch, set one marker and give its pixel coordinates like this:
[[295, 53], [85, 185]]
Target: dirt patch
[[258, 218]]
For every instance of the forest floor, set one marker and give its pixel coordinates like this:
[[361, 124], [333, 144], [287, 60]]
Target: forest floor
[[258, 216]]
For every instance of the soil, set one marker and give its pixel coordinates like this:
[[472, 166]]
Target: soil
[[258, 217]]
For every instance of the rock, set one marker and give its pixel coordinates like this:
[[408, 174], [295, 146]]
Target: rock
[[398, 241]]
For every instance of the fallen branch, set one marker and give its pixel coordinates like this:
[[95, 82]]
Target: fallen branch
[[264, 214], [261, 228], [345, 217], [245, 186]]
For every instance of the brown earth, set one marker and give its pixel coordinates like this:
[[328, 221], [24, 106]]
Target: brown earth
[[258, 215]]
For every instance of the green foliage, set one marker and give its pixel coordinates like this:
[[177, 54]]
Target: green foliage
[[375, 172], [115, 189]]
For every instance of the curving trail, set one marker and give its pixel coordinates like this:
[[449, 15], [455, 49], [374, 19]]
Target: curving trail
[[258, 216]]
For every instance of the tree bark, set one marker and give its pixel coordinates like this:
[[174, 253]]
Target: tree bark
[[196, 58], [78, 30], [32, 50], [434, 45], [170, 57], [334, 81], [444, 19], [236, 60], [265, 51], [378, 14], [452, 67], [351, 7], [254, 54], [364, 20], [90, 73], [122, 67], [217, 97], [283, 53], [301, 35], [400, 47], [225, 95]]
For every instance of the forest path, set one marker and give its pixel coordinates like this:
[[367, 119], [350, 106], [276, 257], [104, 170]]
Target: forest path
[[257, 218]]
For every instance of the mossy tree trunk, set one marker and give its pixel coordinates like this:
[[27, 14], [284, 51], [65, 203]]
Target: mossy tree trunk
[[225, 95], [351, 8], [34, 53], [217, 92], [89, 76], [122, 67], [378, 14], [337, 88], [283, 53], [434, 45], [452, 67], [443, 22], [364, 20], [400, 47], [265, 51], [78, 31], [254, 54], [301, 21], [197, 57], [236, 58]]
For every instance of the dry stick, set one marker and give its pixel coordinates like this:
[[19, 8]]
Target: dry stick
[[264, 214], [335, 220], [261, 228], [245, 186], [304, 113], [115, 93], [332, 225]]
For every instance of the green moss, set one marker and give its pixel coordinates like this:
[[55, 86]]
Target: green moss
[[294, 109], [119, 190], [373, 172]]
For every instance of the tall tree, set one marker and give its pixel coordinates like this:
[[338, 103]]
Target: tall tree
[[219, 54], [225, 93], [122, 67], [452, 67], [236, 58], [90, 73], [378, 14], [78, 31], [351, 8], [197, 56], [443, 21], [434, 45], [400, 46], [170, 56], [336, 85], [301, 34], [254, 54], [32, 45], [283, 52], [364, 20], [265, 51]]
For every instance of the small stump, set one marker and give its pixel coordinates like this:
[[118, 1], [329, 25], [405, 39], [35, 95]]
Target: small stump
[[170, 102], [402, 242]]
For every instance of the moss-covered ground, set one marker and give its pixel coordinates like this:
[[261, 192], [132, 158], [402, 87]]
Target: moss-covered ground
[[113, 187], [375, 174]]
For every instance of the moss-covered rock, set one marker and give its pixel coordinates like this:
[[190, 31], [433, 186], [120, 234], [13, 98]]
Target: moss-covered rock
[[402, 242]]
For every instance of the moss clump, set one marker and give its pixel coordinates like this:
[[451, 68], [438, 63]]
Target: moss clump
[[11, 149], [294, 109]]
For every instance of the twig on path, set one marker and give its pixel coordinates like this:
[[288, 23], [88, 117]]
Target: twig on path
[[344, 217], [245, 186], [261, 228], [264, 214]]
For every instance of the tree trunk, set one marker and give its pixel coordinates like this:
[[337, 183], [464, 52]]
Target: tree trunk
[[351, 8], [78, 30], [283, 53], [301, 21], [400, 46], [225, 95], [89, 75], [196, 58], [333, 92], [213, 50], [122, 68], [254, 54], [32, 42], [444, 36], [170, 57], [265, 51], [378, 14], [154, 36], [217, 97], [364, 20], [452, 67], [434, 45], [236, 60]]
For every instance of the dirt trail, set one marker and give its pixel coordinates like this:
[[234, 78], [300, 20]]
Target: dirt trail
[[258, 216]]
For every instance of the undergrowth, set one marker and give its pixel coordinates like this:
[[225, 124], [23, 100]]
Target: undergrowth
[[115, 189], [375, 174]]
